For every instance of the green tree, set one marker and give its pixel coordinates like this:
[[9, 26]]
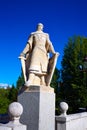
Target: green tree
[[4, 101], [54, 84], [20, 81], [7, 96], [74, 90], [12, 96]]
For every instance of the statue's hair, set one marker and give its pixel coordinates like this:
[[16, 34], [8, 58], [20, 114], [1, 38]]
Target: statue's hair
[[40, 24]]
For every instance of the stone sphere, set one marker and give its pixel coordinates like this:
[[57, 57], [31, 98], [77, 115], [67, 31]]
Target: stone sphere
[[15, 109], [63, 106]]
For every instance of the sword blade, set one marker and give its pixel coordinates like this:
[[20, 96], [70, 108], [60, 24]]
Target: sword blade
[[23, 67]]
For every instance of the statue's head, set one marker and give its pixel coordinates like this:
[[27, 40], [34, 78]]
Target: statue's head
[[40, 27]]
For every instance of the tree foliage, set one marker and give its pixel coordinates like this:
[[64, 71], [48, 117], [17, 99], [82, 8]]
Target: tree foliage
[[54, 82], [74, 89], [4, 101], [12, 95], [7, 96], [20, 81]]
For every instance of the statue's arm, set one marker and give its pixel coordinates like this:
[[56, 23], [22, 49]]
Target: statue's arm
[[25, 50], [28, 46], [50, 46]]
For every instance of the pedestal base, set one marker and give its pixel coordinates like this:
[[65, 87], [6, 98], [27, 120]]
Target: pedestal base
[[39, 108]]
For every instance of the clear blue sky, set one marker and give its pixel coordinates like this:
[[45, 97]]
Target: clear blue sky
[[18, 18]]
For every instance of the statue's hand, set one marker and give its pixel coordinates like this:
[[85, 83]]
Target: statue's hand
[[22, 56], [56, 53]]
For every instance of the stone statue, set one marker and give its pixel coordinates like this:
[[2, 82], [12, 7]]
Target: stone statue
[[37, 67]]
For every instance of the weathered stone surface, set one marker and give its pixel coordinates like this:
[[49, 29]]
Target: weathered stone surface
[[72, 122], [37, 65], [15, 111], [39, 108], [4, 128], [63, 108], [36, 89]]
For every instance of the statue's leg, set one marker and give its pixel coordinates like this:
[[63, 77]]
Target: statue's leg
[[30, 80], [43, 80], [37, 80]]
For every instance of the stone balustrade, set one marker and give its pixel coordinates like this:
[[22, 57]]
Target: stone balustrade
[[63, 122], [70, 122], [15, 111]]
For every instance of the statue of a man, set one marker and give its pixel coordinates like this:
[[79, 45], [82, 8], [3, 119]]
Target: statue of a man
[[36, 57]]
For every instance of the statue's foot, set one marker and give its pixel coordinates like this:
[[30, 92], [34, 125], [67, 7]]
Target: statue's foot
[[27, 83], [43, 84]]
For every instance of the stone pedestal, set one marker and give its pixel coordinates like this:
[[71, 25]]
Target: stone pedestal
[[39, 108]]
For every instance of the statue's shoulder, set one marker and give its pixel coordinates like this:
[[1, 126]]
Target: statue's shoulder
[[47, 35], [42, 33], [32, 33]]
